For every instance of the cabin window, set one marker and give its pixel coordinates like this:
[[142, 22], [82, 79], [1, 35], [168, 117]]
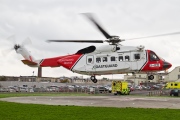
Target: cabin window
[[120, 58], [89, 60], [136, 56], [153, 56], [98, 60], [113, 58], [171, 84], [126, 58], [175, 84], [104, 59]]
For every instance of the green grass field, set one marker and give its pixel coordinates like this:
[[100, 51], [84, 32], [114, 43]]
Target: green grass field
[[17, 111]]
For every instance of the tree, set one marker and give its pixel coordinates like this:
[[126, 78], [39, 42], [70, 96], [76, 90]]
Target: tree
[[3, 78], [65, 81]]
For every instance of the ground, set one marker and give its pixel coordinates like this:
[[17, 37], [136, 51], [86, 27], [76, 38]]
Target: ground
[[103, 101]]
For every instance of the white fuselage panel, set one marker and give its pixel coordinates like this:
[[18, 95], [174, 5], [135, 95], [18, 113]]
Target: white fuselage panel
[[127, 59]]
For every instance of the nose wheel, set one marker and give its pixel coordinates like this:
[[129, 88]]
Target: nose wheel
[[93, 78]]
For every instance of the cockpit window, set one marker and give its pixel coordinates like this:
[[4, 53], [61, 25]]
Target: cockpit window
[[153, 56]]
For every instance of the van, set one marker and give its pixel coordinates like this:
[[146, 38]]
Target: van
[[174, 92], [172, 85]]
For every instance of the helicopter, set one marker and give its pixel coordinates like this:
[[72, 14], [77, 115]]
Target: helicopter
[[113, 58]]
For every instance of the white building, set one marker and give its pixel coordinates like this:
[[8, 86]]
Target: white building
[[174, 75], [141, 78]]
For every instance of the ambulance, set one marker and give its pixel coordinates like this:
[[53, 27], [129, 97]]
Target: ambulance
[[172, 85], [120, 87]]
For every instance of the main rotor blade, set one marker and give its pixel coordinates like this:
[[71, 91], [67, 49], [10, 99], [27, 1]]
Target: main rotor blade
[[160, 35], [12, 39], [27, 41], [79, 41], [91, 18], [7, 51]]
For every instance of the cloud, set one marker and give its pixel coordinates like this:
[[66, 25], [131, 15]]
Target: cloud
[[42, 20]]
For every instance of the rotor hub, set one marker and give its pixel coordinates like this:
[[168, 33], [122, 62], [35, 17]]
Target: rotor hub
[[16, 46], [114, 40]]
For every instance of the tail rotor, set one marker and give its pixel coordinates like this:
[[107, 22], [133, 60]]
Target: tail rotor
[[14, 44]]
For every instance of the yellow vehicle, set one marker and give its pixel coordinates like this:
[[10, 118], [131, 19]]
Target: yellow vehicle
[[120, 87], [172, 85]]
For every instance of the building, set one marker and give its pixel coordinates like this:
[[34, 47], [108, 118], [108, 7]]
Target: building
[[174, 75], [143, 78], [135, 79]]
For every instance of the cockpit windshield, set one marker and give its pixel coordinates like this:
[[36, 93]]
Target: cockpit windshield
[[153, 56]]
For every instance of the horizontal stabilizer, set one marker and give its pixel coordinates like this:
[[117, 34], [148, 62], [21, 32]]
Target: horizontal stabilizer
[[27, 62]]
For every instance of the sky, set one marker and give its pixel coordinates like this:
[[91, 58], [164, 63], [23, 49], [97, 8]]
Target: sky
[[41, 20]]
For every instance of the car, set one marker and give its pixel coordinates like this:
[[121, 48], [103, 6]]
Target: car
[[175, 92], [148, 88], [102, 89], [23, 89], [4, 90], [155, 87], [138, 88], [109, 88], [131, 88], [13, 88]]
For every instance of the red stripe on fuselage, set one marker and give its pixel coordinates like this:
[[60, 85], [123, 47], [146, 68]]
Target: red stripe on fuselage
[[51, 62], [69, 61]]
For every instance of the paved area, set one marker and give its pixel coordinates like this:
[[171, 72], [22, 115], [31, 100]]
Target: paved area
[[102, 101]]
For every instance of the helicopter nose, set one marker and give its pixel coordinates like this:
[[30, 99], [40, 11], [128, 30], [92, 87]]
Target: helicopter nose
[[166, 65]]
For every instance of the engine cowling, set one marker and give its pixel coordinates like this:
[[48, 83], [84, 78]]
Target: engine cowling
[[106, 48]]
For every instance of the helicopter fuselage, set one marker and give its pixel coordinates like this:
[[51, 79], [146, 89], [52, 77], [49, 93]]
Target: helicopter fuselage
[[109, 60]]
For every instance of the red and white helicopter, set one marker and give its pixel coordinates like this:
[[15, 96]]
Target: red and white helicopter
[[107, 59]]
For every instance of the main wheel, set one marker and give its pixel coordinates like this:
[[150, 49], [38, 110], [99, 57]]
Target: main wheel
[[92, 78], [95, 80]]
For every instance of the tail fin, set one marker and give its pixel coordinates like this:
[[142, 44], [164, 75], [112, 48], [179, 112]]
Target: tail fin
[[29, 59]]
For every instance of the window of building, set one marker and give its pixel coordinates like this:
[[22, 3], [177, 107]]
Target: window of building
[[98, 59], [136, 56], [104, 59], [126, 58], [113, 58], [120, 58], [178, 76]]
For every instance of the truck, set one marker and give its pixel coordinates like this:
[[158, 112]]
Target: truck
[[172, 85], [120, 87]]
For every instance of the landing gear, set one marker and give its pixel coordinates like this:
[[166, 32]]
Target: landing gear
[[150, 77], [93, 78]]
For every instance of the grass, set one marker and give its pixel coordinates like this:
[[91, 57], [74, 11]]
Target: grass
[[17, 111]]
